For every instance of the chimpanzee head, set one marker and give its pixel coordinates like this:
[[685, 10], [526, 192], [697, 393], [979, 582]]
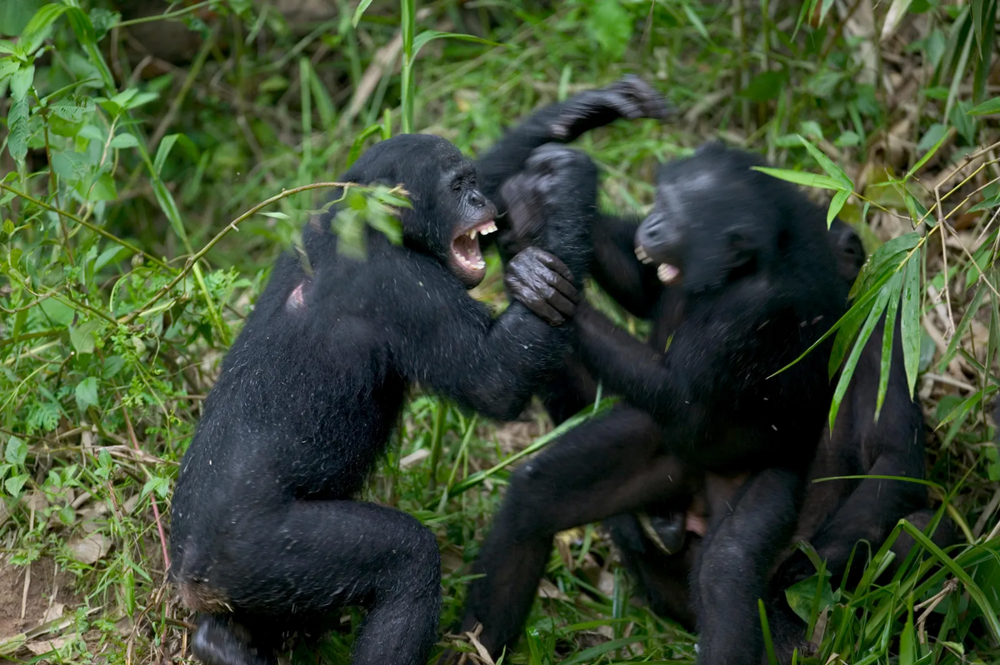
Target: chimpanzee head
[[715, 219], [448, 212]]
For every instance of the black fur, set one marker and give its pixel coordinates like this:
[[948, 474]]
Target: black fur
[[836, 515], [265, 531], [759, 284]]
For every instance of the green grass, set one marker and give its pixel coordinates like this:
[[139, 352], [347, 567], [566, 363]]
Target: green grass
[[110, 336]]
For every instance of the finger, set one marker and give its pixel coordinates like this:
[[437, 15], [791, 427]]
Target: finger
[[553, 262], [567, 289], [543, 310], [561, 304]]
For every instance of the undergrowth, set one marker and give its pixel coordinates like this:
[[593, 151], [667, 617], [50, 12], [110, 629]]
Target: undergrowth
[[157, 157]]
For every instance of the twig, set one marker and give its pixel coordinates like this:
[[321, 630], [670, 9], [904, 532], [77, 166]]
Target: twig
[[96, 229], [152, 495], [189, 264]]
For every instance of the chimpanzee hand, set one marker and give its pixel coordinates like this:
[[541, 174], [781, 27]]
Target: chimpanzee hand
[[630, 98], [543, 284]]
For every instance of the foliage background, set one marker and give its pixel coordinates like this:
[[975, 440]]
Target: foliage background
[[136, 133]]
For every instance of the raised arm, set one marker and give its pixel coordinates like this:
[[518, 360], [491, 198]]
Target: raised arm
[[614, 266], [630, 98]]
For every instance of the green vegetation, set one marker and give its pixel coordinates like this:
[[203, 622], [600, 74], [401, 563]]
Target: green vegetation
[[136, 151]]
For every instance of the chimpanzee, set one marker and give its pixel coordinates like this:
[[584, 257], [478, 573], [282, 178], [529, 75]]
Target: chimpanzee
[[263, 521], [758, 284], [264, 529], [659, 547]]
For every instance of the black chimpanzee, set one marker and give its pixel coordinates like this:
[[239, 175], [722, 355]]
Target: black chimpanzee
[[264, 531], [754, 283], [659, 548], [263, 521]]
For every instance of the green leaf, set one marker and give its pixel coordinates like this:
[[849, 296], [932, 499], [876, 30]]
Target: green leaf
[[17, 121], [611, 27], [935, 135], [859, 344], [156, 484], [910, 328], [894, 287], [16, 452], [427, 36], [802, 178], [86, 393], [963, 326], [15, 485], [124, 141], [20, 83], [827, 165], [907, 643], [359, 12], [84, 337], [7, 67], [40, 27], [15, 14], [927, 155], [989, 107], [163, 151], [836, 205], [57, 312], [961, 121], [765, 86]]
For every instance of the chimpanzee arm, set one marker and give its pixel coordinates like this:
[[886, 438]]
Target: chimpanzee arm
[[629, 98], [615, 267], [447, 342], [717, 361]]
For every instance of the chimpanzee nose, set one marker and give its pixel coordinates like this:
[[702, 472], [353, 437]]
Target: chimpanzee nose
[[477, 199], [658, 238]]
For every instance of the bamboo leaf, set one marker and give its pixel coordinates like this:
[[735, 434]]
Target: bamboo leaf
[[802, 178], [827, 165], [910, 320], [895, 286], [852, 360]]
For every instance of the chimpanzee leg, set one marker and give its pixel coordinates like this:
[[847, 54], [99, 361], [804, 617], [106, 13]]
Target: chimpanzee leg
[[601, 468], [313, 556], [662, 578], [736, 558]]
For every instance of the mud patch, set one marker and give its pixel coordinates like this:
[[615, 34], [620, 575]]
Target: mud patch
[[49, 594]]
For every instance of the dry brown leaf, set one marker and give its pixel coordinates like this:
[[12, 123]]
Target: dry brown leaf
[[54, 612], [547, 589], [45, 646], [90, 549]]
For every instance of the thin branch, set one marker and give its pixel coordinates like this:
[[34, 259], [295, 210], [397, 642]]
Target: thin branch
[[232, 226], [96, 229]]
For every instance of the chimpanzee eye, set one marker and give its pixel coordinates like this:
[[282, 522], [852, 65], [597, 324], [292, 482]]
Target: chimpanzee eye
[[456, 185]]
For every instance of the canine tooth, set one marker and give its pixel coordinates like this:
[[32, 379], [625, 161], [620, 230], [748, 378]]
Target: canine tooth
[[640, 253]]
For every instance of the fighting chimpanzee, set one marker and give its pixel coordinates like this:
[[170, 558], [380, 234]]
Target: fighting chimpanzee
[[264, 530], [659, 548], [758, 284], [263, 521]]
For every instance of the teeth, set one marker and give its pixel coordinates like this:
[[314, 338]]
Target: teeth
[[487, 229], [667, 273], [472, 234], [640, 253]]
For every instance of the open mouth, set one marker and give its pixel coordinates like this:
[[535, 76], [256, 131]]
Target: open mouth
[[465, 248], [666, 272]]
